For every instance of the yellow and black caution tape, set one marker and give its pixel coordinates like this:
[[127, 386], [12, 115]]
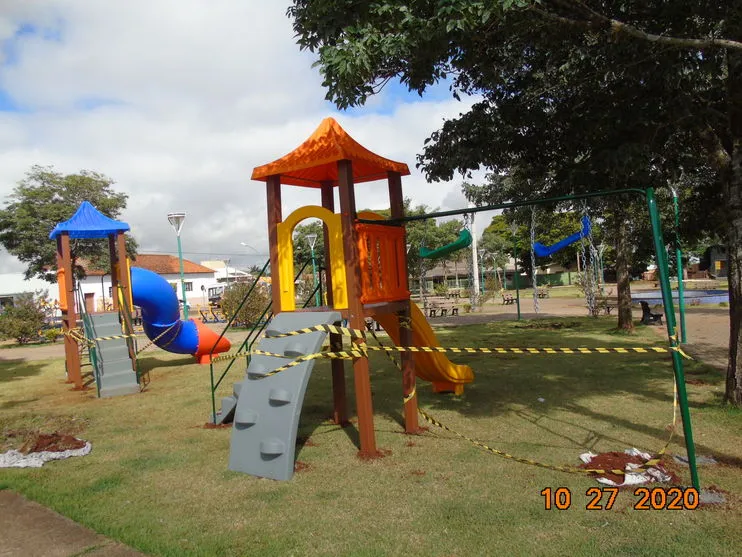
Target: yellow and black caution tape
[[356, 334], [565, 468]]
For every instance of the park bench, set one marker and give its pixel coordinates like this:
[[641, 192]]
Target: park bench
[[649, 318], [507, 299], [439, 306]]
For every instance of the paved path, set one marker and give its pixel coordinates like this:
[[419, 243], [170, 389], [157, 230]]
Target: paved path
[[28, 529]]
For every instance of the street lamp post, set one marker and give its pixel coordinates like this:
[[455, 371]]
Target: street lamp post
[[679, 257], [227, 261], [514, 230], [176, 220], [312, 239]]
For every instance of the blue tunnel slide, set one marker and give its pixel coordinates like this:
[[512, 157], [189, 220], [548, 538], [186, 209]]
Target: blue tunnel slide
[[161, 318]]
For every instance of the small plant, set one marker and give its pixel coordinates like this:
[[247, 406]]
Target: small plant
[[723, 304], [440, 289], [51, 335], [467, 308]]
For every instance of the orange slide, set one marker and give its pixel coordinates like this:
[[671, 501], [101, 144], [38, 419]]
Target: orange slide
[[433, 367]]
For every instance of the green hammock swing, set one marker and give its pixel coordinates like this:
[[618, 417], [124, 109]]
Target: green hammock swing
[[463, 241]]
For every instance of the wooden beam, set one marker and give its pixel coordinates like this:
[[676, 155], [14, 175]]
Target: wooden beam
[[396, 202], [273, 202], [114, 276], [339, 396], [69, 317], [124, 281], [361, 376]]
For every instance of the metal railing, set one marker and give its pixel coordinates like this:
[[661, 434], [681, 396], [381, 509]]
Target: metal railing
[[89, 331]]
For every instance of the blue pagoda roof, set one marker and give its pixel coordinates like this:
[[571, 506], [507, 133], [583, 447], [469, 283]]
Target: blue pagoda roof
[[88, 222]]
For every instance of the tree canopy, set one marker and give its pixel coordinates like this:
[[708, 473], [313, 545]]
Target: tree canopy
[[568, 96], [46, 197]]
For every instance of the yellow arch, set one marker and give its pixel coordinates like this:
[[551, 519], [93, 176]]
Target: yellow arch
[[285, 231]]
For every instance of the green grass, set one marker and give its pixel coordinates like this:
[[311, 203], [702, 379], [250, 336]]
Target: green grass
[[158, 481]]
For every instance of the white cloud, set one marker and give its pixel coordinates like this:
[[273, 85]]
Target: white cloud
[[178, 101]]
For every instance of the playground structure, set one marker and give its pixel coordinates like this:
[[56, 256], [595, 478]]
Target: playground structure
[[367, 277], [107, 338], [366, 274]]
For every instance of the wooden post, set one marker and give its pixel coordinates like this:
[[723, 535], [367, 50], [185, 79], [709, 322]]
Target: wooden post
[[396, 203], [124, 278], [364, 403], [339, 397], [114, 275], [273, 201], [69, 317]]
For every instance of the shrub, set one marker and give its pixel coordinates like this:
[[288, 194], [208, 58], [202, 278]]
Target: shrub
[[467, 308], [50, 335], [723, 304], [253, 306], [23, 320], [440, 289]]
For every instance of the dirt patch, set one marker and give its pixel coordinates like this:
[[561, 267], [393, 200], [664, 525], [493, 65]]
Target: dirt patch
[[300, 466], [410, 444], [51, 442], [695, 381], [418, 472], [380, 453], [209, 425], [612, 461]]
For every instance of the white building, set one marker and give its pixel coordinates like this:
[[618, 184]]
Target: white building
[[13, 285], [96, 287]]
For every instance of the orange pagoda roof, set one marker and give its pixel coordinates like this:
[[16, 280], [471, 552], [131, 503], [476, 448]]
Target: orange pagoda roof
[[314, 161]]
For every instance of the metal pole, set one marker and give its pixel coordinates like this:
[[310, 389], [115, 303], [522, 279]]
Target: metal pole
[[314, 279], [679, 258], [182, 281], [515, 276], [677, 362]]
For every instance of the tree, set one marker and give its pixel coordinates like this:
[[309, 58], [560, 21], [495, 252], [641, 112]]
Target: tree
[[253, 307], [45, 198], [576, 96], [24, 319], [302, 248]]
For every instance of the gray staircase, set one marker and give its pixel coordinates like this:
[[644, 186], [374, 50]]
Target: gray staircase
[[267, 409], [115, 373]]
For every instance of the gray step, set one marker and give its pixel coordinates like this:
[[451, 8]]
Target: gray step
[[105, 318], [229, 403], [128, 389], [107, 329], [111, 352], [226, 414], [266, 417]]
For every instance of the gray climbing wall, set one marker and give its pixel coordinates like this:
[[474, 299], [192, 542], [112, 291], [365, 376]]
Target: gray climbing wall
[[267, 413]]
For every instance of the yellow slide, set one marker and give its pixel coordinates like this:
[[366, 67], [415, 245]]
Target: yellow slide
[[433, 367]]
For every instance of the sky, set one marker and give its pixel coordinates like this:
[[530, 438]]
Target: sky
[[177, 101]]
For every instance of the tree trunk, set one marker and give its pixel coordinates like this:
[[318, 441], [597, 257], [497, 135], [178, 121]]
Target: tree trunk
[[733, 392], [623, 283]]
